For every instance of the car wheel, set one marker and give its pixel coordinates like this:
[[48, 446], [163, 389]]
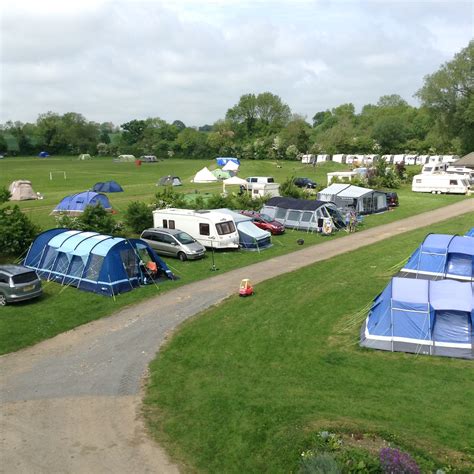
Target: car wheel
[[182, 256], [3, 300]]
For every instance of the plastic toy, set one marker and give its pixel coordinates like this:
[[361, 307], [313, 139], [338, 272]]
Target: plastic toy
[[246, 288]]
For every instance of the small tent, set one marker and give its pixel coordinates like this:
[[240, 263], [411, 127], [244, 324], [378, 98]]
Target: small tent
[[21, 191], [223, 160], [125, 159], [363, 200], [75, 204], [303, 214], [423, 317], [204, 176], [93, 262], [220, 174], [231, 166], [84, 156], [251, 237], [43, 154], [107, 187], [170, 181], [442, 256]]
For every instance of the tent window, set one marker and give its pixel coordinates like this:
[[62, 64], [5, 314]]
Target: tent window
[[129, 262], [294, 215], [77, 267], [204, 229], [280, 213], [49, 258], [171, 224], [95, 264], [62, 263], [306, 217], [451, 326]]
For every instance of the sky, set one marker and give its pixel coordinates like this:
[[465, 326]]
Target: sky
[[192, 60]]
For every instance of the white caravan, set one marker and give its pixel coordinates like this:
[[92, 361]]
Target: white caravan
[[411, 159], [323, 158], [308, 159], [440, 183], [264, 189], [339, 158], [468, 173], [433, 168], [398, 159], [209, 228]]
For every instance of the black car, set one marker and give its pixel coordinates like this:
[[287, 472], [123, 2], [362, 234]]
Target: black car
[[392, 199], [304, 183]]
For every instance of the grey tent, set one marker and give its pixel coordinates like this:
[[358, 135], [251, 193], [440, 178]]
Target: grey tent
[[170, 181], [303, 214], [347, 196]]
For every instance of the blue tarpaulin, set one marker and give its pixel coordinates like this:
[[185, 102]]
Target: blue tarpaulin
[[222, 160]]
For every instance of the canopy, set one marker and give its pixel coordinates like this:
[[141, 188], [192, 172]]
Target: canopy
[[107, 187], [231, 166], [92, 262], [204, 176], [234, 180]]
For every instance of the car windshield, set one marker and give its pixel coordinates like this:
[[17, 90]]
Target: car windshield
[[184, 238], [24, 278], [266, 218]]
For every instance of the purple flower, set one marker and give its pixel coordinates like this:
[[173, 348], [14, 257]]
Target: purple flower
[[394, 461]]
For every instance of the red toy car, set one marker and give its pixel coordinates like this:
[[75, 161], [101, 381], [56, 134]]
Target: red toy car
[[245, 288], [265, 222]]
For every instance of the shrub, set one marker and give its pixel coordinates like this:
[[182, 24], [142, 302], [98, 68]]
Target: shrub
[[138, 216], [394, 461], [216, 201], [5, 195], [288, 189], [318, 464], [168, 197], [97, 219], [16, 231]]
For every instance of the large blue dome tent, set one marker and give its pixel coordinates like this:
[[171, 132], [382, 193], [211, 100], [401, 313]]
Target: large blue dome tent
[[422, 317], [107, 187], [76, 203], [93, 262], [442, 256]]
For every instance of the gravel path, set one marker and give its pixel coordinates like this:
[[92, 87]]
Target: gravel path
[[72, 403]]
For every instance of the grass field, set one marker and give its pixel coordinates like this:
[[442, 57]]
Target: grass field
[[61, 308], [245, 386]]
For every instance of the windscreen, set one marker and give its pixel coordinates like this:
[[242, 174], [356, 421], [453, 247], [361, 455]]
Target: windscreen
[[184, 238]]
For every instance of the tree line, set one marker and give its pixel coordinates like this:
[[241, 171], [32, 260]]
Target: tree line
[[262, 126]]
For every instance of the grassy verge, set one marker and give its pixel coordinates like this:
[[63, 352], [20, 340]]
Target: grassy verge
[[245, 386]]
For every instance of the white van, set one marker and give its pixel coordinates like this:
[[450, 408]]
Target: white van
[[209, 228], [432, 168], [440, 183], [260, 179]]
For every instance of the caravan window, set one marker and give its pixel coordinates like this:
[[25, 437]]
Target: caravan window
[[453, 182], [306, 217], [418, 181], [204, 229], [224, 228], [171, 224], [280, 213], [165, 223]]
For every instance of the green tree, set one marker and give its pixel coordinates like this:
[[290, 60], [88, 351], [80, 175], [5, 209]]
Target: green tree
[[97, 219], [5, 195], [390, 133], [449, 96], [138, 216]]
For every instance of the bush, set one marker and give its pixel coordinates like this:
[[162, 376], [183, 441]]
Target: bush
[[93, 219], [138, 216], [16, 231], [318, 464], [168, 197], [288, 189], [5, 195]]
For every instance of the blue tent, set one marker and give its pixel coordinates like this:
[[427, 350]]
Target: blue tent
[[107, 187], [423, 317], [43, 154], [251, 237], [93, 262], [76, 203], [470, 233], [442, 256], [222, 160]]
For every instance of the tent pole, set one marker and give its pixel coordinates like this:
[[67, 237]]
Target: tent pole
[[391, 318]]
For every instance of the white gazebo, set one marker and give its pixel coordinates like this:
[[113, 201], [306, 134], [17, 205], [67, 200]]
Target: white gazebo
[[236, 181]]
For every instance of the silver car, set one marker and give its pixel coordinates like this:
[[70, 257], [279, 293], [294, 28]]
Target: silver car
[[173, 243], [18, 283]]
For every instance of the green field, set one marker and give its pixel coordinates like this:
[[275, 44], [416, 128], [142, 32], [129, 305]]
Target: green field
[[17, 326], [245, 386]]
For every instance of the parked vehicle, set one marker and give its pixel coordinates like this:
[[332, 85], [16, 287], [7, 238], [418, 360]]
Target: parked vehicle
[[305, 183], [468, 173], [258, 190], [18, 283], [260, 179], [440, 183], [173, 243], [209, 228], [392, 199], [433, 167], [265, 222]]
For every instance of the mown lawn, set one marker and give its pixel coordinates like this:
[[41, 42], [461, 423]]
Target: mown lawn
[[246, 385], [61, 309]]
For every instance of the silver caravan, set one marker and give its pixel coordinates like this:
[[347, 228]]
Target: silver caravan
[[209, 228]]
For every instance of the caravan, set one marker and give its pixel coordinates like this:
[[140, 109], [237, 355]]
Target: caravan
[[210, 228], [440, 183], [468, 173]]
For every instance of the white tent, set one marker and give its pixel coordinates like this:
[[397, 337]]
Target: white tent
[[234, 181], [204, 176], [21, 191], [231, 166]]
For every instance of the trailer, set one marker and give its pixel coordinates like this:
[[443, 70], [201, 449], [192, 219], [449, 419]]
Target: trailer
[[210, 228], [439, 183]]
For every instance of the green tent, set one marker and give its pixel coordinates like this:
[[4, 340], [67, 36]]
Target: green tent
[[220, 174]]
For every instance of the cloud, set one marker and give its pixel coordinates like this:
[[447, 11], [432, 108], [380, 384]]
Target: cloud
[[189, 60]]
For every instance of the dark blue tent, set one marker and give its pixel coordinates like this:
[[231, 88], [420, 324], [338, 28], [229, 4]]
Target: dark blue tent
[[76, 203], [43, 154], [222, 160], [107, 187], [442, 256], [423, 317], [93, 262]]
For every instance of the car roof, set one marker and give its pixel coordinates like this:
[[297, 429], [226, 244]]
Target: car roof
[[12, 270], [162, 229]]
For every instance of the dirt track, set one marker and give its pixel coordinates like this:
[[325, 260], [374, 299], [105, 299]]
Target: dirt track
[[72, 403]]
